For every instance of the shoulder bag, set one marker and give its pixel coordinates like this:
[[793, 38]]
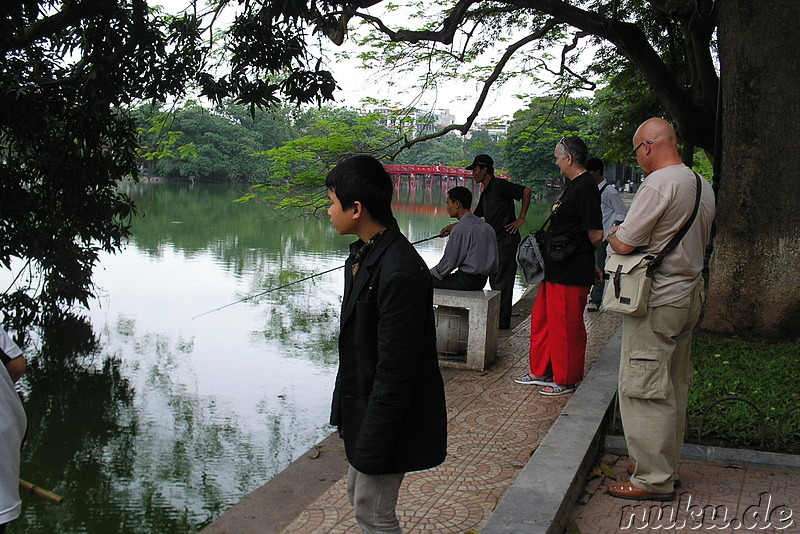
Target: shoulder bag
[[628, 276], [529, 251]]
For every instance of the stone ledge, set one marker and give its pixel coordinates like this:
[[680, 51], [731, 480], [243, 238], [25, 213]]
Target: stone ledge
[[718, 455], [541, 498]]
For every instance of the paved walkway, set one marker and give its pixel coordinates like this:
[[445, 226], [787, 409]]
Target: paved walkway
[[712, 498], [495, 426]]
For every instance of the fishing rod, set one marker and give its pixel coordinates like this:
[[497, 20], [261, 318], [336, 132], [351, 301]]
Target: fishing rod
[[42, 493], [270, 290]]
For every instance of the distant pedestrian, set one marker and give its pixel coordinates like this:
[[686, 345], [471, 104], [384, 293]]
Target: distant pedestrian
[[12, 429], [388, 402], [558, 333], [655, 369], [496, 206], [614, 211], [471, 252]]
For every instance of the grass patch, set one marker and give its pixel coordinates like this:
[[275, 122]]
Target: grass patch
[[767, 375]]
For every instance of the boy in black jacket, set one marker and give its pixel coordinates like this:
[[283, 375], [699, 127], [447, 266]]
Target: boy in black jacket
[[388, 402]]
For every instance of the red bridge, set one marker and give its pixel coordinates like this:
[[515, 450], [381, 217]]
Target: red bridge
[[432, 171], [423, 200]]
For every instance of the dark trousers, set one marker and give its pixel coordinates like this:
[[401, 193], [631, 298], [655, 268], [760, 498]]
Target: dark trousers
[[503, 280], [596, 296], [461, 281]]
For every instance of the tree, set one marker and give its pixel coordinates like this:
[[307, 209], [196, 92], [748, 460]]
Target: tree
[[69, 72], [754, 269], [69, 68], [298, 167], [447, 150], [533, 135], [672, 45]]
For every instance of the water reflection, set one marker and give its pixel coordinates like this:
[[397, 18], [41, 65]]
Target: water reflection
[[149, 421]]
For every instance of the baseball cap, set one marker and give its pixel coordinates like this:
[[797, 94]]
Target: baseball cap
[[484, 160]]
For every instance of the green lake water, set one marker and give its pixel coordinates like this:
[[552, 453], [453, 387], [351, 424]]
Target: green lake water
[[153, 421]]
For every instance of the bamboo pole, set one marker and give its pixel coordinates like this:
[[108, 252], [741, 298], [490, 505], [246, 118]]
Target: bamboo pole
[[29, 488]]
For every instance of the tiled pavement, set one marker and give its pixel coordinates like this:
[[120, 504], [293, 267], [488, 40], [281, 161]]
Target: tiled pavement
[[712, 498], [494, 427]]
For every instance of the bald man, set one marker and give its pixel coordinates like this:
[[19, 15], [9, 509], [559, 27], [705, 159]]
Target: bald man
[[656, 367]]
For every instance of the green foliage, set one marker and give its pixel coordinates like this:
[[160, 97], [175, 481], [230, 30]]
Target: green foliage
[[211, 145], [533, 135], [617, 110], [297, 168], [767, 375], [702, 165], [69, 73]]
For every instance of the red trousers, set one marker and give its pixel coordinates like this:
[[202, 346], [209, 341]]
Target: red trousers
[[558, 333]]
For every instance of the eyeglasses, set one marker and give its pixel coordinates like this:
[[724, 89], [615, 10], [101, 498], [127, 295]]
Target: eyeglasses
[[633, 154], [563, 141]]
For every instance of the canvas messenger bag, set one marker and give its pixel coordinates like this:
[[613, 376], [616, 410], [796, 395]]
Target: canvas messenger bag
[[628, 276]]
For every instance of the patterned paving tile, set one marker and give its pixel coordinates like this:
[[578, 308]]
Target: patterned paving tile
[[713, 498], [494, 427]]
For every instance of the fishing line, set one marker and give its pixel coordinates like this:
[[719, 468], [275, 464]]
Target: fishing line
[[251, 297]]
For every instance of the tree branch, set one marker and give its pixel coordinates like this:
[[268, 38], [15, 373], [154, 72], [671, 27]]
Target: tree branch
[[487, 84], [694, 117], [445, 35], [71, 15]]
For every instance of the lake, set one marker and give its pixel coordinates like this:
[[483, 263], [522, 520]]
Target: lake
[[154, 418]]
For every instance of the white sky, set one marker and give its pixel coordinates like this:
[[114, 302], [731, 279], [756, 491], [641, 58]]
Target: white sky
[[356, 83]]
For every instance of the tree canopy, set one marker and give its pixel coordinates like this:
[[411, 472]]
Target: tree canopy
[[70, 70]]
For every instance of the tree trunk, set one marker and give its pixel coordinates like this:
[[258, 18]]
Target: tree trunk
[[755, 268]]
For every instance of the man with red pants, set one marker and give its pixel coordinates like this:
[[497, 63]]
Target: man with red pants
[[558, 333]]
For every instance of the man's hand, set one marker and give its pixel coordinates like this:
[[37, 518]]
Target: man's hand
[[616, 245], [598, 275], [446, 230], [16, 368], [513, 228]]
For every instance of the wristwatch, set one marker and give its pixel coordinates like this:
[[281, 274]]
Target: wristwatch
[[611, 232]]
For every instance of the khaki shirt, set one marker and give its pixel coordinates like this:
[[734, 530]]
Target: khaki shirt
[[661, 206]]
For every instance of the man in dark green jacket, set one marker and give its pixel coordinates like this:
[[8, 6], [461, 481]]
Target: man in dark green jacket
[[388, 403]]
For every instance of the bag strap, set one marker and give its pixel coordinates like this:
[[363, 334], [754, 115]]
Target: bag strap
[[651, 269], [603, 188], [547, 220]]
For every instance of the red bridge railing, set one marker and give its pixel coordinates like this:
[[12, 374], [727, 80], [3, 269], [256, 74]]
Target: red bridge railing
[[433, 170]]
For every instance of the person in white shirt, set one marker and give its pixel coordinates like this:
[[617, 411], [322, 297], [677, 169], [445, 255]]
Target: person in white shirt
[[12, 429], [614, 211]]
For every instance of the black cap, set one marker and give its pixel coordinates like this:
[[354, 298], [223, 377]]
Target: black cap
[[484, 160]]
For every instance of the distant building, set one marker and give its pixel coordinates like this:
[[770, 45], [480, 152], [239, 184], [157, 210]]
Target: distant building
[[496, 128], [416, 120]]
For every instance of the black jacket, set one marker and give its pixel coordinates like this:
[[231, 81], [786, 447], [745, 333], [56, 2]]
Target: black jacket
[[389, 402]]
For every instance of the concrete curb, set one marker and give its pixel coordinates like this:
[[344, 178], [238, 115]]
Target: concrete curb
[[719, 455], [542, 496]]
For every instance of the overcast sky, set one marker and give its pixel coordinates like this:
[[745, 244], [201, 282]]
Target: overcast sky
[[356, 84]]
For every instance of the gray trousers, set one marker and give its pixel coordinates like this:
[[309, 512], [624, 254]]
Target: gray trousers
[[374, 499], [655, 373]]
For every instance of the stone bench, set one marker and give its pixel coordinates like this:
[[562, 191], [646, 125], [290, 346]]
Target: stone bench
[[466, 327]]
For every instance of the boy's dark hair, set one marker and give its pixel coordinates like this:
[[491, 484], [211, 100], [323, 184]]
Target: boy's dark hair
[[595, 164], [363, 179], [462, 195], [577, 148]]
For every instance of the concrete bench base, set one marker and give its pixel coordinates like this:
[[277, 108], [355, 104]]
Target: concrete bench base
[[466, 327]]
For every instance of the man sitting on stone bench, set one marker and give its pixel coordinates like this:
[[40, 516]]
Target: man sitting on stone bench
[[471, 249]]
